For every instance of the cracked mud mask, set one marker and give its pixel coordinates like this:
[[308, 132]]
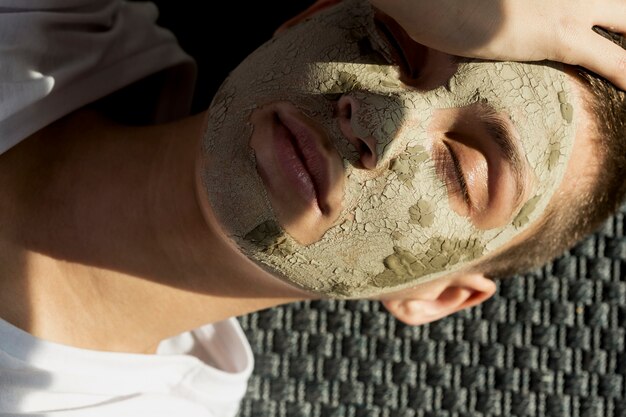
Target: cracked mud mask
[[324, 167]]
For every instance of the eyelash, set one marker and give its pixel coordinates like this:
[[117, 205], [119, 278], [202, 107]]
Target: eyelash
[[460, 189]]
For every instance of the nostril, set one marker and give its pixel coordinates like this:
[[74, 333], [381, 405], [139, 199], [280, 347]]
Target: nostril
[[365, 146], [345, 105], [367, 152], [364, 149]]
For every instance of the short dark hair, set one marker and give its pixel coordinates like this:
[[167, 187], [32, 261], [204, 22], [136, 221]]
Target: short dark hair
[[571, 217]]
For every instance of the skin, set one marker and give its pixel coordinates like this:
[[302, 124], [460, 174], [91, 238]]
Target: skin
[[509, 30], [102, 228], [388, 213]]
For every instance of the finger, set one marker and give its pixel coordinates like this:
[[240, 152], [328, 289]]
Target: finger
[[611, 35], [612, 16], [603, 57]]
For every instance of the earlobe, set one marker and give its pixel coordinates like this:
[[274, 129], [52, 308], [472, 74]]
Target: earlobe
[[437, 302]]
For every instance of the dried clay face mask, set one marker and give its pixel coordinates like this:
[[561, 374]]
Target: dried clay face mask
[[397, 228]]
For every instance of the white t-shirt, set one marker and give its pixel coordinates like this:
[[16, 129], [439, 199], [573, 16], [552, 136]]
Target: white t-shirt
[[58, 55], [200, 373], [55, 57]]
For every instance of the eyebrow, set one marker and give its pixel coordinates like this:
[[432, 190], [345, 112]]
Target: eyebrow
[[500, 130]]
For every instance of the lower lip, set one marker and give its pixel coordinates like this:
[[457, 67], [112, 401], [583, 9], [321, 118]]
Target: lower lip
[[291, 164]]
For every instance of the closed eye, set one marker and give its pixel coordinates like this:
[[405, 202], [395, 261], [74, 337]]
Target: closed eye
[[464, 171], [478, 158], [459, 187], [449, 170]]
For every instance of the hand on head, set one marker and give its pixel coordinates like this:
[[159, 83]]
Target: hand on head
[[509, 30]]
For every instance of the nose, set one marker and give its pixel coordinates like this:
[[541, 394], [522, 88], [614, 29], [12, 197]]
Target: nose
[[347, 108]]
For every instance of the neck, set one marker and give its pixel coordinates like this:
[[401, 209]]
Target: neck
[[103, 230]]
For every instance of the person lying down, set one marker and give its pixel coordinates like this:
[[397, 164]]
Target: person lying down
[[340, 160], [352, 162]]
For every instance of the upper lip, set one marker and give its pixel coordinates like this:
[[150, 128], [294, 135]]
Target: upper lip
[[311, 146], [406, 53]]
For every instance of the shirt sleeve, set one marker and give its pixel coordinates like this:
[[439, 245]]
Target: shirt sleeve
[[59, 55]]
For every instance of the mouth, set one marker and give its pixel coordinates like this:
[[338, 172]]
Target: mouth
[[297, 161], [300, 168], [409, 55], [300, 150]]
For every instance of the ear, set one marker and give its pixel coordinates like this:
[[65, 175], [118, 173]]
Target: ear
[[439, 298], [316, 7]]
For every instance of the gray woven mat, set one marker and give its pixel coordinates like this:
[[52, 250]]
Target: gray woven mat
[[548, 344]]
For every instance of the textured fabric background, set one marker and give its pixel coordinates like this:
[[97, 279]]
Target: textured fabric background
[[549, 344]]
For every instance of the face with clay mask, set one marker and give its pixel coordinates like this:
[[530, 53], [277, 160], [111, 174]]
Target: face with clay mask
[[351, 162]]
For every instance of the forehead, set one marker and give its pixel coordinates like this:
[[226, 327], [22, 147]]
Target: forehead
[[340, 50]]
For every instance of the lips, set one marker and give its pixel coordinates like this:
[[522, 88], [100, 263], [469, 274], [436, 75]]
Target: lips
[[301, 170], [300, 150]]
